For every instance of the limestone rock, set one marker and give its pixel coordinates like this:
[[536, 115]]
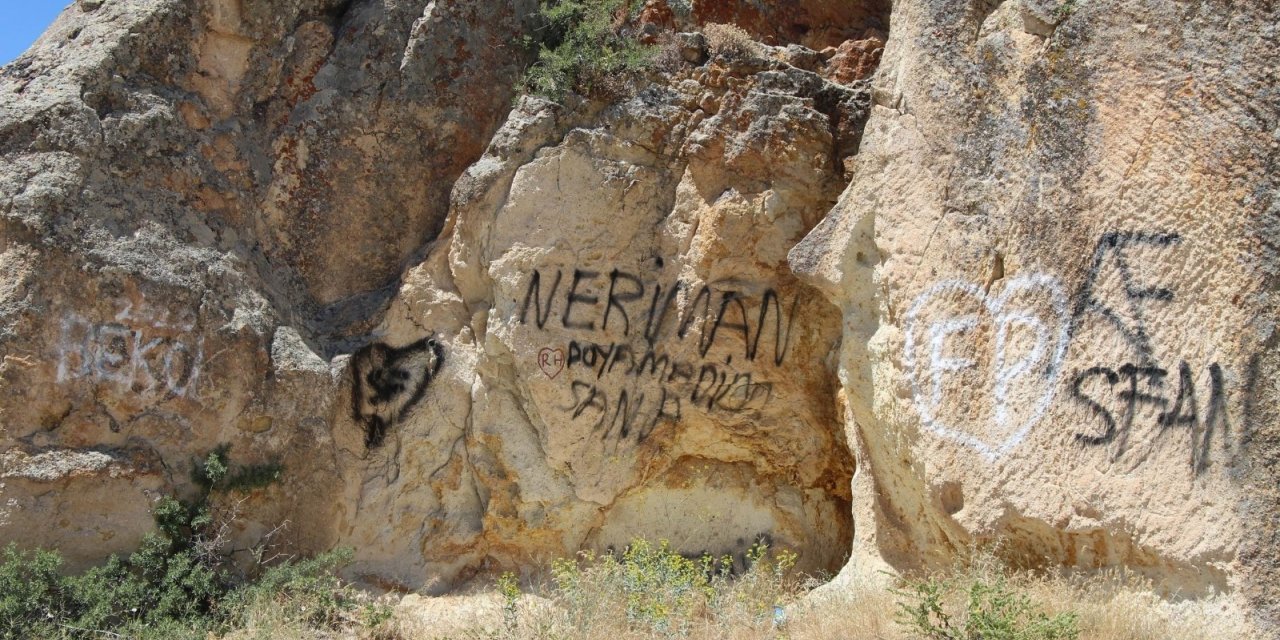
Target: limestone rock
[[1056, 264], [186, 192], [633, 357], [889, 282]]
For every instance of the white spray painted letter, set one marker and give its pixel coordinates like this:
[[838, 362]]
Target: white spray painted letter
[[149, 360], [1042, 316]]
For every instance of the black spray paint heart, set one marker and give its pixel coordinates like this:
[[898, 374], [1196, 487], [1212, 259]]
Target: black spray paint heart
[[388, 382]]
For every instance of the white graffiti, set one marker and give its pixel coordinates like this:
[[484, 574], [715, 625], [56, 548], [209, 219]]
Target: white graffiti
[[133, 314], [1044, 317], [148, 360], [8, 508]]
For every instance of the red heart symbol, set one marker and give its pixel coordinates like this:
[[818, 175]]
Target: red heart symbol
[[551, 361]]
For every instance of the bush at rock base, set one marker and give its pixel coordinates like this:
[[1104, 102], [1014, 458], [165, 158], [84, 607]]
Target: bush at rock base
[[180, 583], [978, 604]]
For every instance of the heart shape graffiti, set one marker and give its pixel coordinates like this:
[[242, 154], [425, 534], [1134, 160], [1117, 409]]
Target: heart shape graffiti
[[1034, 370], [551, 361]]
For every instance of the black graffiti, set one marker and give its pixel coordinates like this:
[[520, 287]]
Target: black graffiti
[[714, 311], [631, 414], [733, 394], [1114, 245], [533, 295], [652, 387], [600, 359], [617, 297], [718, 387], [603, 359], [1109, 422], [634, 413], [388, 382], [1144, 385], [575, 297]]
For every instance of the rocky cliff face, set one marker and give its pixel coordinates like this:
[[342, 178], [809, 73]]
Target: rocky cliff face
[[1056, 265], [1018, 283], [200, 214]]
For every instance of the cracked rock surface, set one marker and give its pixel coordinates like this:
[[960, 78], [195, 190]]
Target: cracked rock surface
[[884, 283]]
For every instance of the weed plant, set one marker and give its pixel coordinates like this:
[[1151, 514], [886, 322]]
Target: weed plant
[[583, 46], [179, 583], [978, 604], [648, 591]]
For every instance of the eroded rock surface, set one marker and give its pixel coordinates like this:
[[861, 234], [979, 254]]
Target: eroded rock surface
[[1056, 263], [606, 343], [628, 353], [1006, 271], [187, 190]]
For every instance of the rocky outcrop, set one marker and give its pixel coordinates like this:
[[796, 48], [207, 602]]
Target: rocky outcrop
[[627, 352], [1056, 265], [1017, 284], [187, 197], [606, 343]]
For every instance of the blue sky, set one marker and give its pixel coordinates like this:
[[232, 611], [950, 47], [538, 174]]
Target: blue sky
[[22, 21]]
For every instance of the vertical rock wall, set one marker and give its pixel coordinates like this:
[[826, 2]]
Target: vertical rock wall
[[628, 354], [170, 174], [209, 209], [1056, 261], [1017, 284]]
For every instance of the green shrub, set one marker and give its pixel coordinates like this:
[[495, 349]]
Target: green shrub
[[31, 594], [992, 610], [583, 45], [754, 595], [214, 474], [659, 592], [662, 587], [153, 589], [178, 583], [306, 593], [509, 589]]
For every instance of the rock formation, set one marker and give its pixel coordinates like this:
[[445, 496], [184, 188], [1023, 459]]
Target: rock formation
[[199, 219], [1056, 262], [888, 282]]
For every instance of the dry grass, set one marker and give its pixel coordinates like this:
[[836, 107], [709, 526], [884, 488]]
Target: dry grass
[[1117, 607], [729, 40], [605, 598]]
